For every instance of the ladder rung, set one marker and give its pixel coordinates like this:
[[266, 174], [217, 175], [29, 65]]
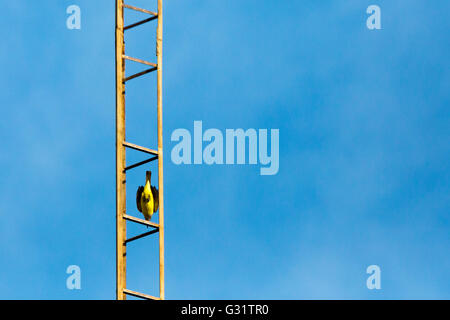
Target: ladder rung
[[139, 23], [140, 10], [142, 235], [140, 74], [140, 61], [140, 163], [139, 148], [141, 221], [140, 295]]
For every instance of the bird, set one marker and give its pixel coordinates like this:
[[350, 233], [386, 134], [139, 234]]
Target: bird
[[147, 198]]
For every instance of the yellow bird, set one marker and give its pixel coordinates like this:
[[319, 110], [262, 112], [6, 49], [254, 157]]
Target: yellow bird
[[147, 198]]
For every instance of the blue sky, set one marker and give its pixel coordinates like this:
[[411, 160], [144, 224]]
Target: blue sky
[[364, 134]]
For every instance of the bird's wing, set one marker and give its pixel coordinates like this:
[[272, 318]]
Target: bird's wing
[[155, 193], [138, 197]]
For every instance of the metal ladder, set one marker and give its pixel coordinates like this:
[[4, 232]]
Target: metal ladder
[[121, 144]]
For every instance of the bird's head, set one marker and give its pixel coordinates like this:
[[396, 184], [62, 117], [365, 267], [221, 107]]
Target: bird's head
[[148, 175]]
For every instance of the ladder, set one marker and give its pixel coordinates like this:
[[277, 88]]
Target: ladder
[[121, 145]]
